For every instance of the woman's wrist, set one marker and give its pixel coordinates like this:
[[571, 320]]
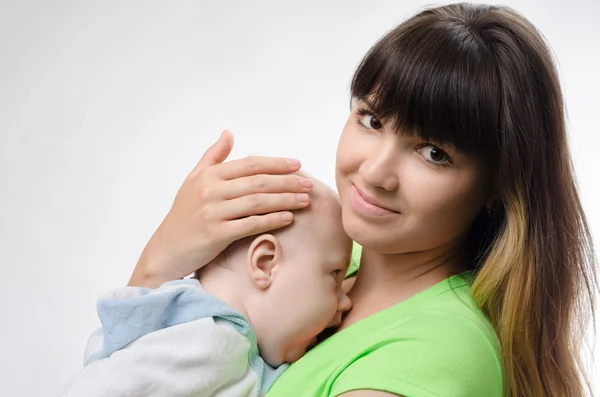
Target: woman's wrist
[[152, 269], [141, 277]]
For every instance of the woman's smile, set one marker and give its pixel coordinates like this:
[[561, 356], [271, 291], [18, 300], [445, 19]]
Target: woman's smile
[[367, 206]]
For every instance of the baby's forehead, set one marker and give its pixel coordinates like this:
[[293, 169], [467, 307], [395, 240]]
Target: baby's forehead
[[324, 231], [321, 222], [323, 215]]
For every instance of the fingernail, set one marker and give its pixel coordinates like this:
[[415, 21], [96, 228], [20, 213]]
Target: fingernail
[[287, 216], [302, 197], [293, 163], [306, 182]]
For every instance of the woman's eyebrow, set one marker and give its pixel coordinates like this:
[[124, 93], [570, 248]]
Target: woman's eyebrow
[[362, 99], [366, 101]]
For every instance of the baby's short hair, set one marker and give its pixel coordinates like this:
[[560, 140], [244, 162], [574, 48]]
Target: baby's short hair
[[320, 196]]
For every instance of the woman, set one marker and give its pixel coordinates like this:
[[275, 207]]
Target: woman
[[455, 178]]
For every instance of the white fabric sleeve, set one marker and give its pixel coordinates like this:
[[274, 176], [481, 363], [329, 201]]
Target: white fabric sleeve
[[196, 358]]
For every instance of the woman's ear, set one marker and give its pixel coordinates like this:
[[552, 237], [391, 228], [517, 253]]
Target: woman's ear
[[264, 255]]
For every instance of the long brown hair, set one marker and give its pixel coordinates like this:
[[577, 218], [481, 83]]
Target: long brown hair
[[482, 78]]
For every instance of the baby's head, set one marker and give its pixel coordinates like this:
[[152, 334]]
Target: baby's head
[[288, 282]]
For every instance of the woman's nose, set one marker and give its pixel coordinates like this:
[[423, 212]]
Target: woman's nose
[[379, 169]]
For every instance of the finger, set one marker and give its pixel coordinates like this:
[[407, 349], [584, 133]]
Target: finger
[[263, 203], [217, 153], [256, 165], [256, 224], [265, 184]]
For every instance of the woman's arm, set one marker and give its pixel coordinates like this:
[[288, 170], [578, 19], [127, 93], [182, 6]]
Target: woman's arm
[[217, 204]]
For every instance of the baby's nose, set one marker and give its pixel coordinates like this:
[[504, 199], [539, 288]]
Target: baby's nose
[[344, 303]]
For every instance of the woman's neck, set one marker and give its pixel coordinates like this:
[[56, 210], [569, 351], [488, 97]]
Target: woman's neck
[[387, 279]]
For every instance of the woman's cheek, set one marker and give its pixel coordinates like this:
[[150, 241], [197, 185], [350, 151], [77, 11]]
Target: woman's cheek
[[422, 186], [350, 149], [449, 201], [431, 192], [342, 155]]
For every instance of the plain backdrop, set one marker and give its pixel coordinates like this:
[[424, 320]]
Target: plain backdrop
[[106, 105]]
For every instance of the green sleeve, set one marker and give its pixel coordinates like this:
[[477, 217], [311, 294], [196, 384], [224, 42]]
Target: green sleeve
[[449, 358], [354, 261]]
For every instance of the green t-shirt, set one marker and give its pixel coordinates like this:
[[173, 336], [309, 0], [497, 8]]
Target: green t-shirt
[[436, 343]]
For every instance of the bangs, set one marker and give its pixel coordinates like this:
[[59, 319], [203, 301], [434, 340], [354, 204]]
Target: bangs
[[433, 79]]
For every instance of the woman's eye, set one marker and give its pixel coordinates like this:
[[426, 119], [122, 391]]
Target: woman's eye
[[370, 121], [435, 155], [336, 274]]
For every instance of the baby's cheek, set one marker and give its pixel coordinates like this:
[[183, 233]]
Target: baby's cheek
[[330, 309]]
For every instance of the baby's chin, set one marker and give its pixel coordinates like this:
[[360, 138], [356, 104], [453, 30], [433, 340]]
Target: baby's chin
[[295, 355], [299, 351]]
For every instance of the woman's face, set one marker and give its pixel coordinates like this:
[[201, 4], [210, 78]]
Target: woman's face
[[400, 194]]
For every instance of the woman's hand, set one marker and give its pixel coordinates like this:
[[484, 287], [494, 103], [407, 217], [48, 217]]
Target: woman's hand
[[217, 204]]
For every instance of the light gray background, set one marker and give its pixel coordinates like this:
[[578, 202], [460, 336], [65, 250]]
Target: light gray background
[[106, 105]]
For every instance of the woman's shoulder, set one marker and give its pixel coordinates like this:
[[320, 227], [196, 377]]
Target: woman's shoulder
[[447, 330], [438, 343], [440, 355], [434, 352], [446, 319], [445, 316]]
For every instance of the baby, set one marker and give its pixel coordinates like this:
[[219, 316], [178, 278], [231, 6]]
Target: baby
[[272, 293]]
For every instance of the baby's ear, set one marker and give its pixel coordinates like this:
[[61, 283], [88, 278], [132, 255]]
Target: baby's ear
[[263, 255]]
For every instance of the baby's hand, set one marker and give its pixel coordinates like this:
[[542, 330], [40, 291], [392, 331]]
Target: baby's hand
[[217, 204]]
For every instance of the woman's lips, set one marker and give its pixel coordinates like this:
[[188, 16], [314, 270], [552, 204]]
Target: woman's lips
[[367, 206]]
